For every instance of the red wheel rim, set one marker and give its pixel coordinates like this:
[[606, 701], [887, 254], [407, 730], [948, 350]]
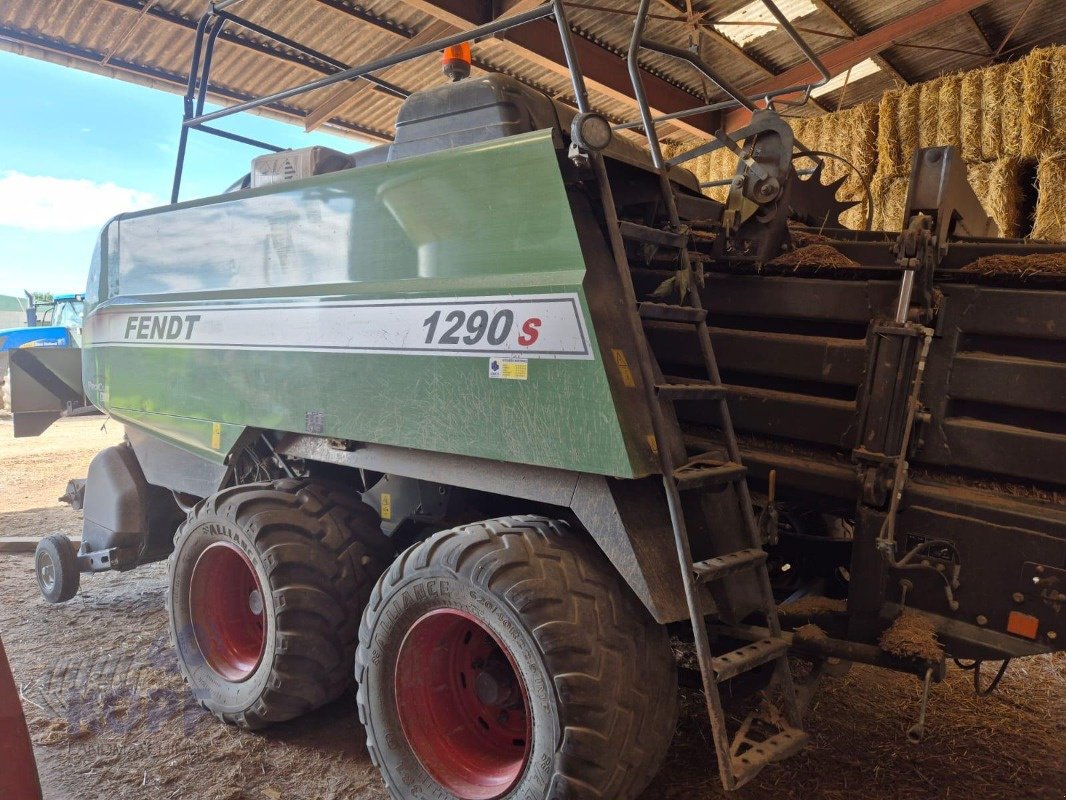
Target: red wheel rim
[[226, 609], [462, 705]]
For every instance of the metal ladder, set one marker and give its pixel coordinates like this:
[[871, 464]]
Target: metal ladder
[[740, 758]]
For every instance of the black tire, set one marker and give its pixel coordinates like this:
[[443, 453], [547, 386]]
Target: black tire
[[598, 679], [312, 554], [55, 565]]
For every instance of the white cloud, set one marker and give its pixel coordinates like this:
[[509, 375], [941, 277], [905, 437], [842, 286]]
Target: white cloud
[[42, 203]]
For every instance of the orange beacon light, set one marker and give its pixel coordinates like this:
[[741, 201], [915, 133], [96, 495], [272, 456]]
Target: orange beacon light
[[456, 61]]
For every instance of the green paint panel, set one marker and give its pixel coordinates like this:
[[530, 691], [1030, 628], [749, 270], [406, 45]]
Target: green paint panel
[[488, 220]]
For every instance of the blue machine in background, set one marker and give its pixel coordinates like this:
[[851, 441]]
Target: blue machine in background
[[55, 323]]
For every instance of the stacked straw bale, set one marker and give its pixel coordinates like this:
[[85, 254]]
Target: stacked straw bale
[[970, 89], [1003, 119], [1050, 218], [998, 185], [1057, 105], [1037, 101]]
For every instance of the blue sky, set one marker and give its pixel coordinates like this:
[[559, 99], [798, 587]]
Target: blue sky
[[77, 148]]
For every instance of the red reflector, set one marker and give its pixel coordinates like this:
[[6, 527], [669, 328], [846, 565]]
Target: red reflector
[[1022, 625]]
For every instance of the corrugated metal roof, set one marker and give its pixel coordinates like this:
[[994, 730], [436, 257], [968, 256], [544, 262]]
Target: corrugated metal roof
[[150, 41]]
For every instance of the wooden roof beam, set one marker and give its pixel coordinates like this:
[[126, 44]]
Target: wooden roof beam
[[841, 58], [826, 7], [604, 71], [720, 39]]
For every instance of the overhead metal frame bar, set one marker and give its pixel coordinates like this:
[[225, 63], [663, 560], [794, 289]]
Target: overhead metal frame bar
[[738, 99], [212, 22], [363, 70]]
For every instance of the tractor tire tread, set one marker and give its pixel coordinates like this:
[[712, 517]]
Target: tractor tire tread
[[614, 668], [333, 552]]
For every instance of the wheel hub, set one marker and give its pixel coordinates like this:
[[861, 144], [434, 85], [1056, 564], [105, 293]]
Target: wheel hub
[[226, 610], [462, 705], [46, 571], [495, 686]]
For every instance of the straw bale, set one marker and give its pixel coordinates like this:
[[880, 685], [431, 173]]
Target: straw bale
[[907, 120], [998, 185], [717, 165], [1058, 100], [890, 198], [1013, 111], [864, 131], [1050, 219], [835, 140], [978, 175], [949, 112], [1004, 197], [800, 126], [877, 189], [991, 110], [929, 112], [970, 116], [1037, 97], [888, 142]]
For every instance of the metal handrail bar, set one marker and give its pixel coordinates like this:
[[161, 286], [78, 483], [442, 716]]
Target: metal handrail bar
[[317, 55], [639, 95], [362, 70], [211, 23], [739, 99], [577, 79]]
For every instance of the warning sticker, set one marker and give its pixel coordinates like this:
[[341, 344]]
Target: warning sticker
[[510, 369]]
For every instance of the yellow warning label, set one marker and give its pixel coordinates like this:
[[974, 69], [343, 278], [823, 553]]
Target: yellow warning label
[[216, 436], [509, 369], [623, 368], [386, 506]]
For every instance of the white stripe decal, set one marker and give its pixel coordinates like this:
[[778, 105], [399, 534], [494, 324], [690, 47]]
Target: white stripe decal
[[535, 326]]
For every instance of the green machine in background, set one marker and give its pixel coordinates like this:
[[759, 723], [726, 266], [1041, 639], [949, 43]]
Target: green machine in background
[[468, 418]]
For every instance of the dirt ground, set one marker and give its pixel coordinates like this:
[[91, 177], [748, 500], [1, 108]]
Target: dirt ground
[[110, 717]]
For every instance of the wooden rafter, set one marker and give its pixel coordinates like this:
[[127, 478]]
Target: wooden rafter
[[971, 22], [719, 39], [604, 71], [827, 8]]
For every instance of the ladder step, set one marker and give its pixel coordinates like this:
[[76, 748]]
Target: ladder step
[[642, 233], [777, 748], [714, 569], [690, 391], [664, 312], [747, 658], [697, 475]]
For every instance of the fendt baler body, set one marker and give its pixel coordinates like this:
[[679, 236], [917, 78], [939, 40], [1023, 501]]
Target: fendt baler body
[[451, 317], [436, 303]]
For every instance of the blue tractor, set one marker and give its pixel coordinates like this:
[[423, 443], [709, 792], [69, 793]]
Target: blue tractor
[[52, 323]]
